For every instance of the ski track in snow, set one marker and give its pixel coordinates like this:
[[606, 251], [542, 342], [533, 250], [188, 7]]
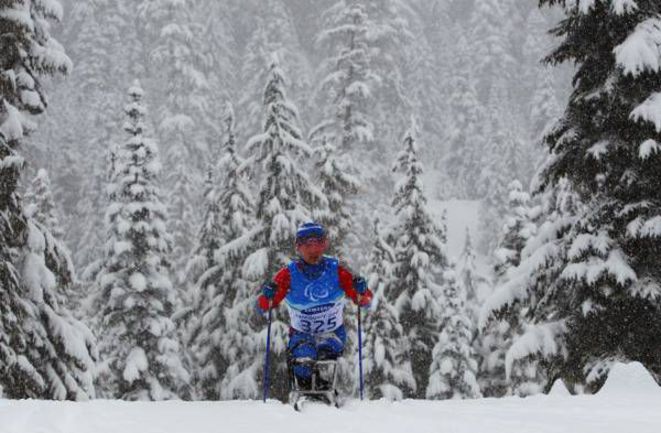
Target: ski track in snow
[[543, 414]]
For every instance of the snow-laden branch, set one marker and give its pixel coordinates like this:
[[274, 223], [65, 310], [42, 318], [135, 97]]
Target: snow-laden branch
[[641, 50]]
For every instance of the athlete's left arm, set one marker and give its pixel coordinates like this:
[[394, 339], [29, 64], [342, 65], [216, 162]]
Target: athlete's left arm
[[346, 282]]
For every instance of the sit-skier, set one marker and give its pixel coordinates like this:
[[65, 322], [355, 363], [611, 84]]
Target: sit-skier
[[314, 288]]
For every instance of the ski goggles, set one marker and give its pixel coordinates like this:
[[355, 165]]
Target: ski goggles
[[311, 241]]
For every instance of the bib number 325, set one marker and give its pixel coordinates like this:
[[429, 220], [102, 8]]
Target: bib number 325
[[318, 326]]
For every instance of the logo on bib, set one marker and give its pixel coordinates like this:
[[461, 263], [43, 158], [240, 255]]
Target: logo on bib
[[317, 292]]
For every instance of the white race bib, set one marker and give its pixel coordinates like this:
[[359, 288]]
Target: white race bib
[[317, 320]]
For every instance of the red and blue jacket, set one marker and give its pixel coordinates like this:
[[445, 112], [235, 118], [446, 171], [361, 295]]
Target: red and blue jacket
[[283, 280]]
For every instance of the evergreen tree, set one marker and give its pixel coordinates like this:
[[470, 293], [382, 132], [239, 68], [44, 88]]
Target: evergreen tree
[[492, 346], [469, 278], [42, 206], [388, 371], [219, 343], [349, 83], [286, 199], [503, 160], [141, 357], [489, 43], [518, 228], [392, 38], [335, 184], [427, 71], [272, 32], [419, 262], [465, 133], [348, 80], [498, 336], [96, 28], [43, 211], [525, 335], [220, 48], [606, 144], [44, 352], [452, 373], [182, 117]]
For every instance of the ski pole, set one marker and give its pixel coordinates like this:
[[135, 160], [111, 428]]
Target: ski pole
[[266, 361], [360, 354]]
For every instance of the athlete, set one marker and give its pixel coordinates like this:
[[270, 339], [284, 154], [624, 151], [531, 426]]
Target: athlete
[[314, 288]]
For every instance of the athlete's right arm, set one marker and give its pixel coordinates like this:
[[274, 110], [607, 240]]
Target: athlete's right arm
[[281, 282]]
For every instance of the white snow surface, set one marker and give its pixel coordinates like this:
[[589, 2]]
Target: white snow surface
[[559, 389], [629, 380], [603, 413]]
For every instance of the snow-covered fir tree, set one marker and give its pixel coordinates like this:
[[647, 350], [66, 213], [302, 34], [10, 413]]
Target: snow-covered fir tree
[[348, 93], [607, 146], [466, 129], [452, 373], [345, 133], [498, 336], [427, 69], [92, 36], [502, 161], [470, 278], [220, 293], [347, 82], [41, 208], [491, 347], [287, 197], [140, 353], [238, 342], [388, 371], [44, 352], [193, 298], [41, 205], [272, 32], [182, 116], [517, 229], [219, 44], [420, 260], [209, 234], [336, 184], [489, 43], [525, 331], [391, 38]]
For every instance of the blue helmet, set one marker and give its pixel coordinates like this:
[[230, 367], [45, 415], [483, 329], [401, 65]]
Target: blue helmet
[[310, 230]]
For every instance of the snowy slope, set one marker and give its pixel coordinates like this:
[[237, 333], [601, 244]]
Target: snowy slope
[[629, 402], [582, 414]]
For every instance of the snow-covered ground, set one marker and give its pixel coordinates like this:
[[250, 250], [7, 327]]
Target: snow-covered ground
[[629, 402]]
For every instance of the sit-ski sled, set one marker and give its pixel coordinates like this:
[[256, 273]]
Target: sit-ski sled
[[320, 389], [324, 372]]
